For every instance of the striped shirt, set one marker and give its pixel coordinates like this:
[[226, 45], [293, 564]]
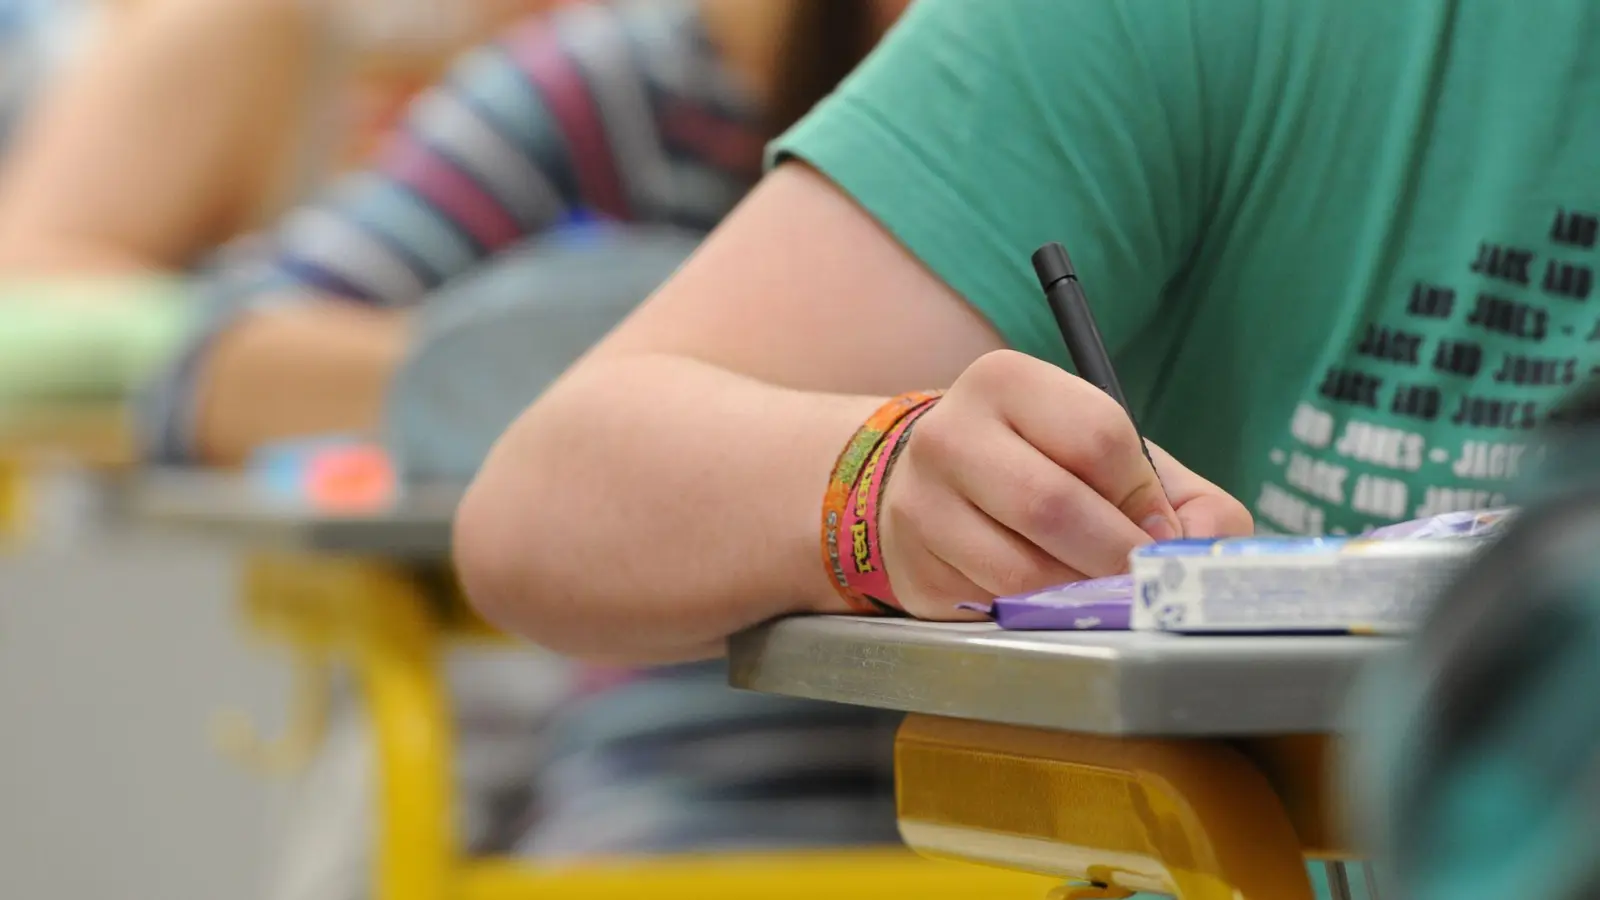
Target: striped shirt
[[621, 111]]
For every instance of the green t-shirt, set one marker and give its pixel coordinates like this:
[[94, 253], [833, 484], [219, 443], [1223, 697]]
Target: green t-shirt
[[1341, 250]]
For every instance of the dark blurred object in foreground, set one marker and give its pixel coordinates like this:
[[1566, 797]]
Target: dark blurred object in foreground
[[1479, 752]]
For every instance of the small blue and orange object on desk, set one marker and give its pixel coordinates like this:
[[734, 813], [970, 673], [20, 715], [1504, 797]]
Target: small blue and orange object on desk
[[333, 474]]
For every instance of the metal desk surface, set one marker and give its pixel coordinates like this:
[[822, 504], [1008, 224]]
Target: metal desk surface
[[1112, 683], [416, 528]]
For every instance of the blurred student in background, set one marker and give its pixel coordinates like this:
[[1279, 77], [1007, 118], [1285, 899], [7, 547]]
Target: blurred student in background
[[141, 135], [636, 113], [639, 112], [159, 129], [646, 111]]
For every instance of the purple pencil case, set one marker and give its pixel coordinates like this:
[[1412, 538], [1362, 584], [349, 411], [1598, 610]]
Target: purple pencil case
[[1100, 604]]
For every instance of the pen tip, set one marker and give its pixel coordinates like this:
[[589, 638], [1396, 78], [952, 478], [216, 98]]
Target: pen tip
[[1052, 264]]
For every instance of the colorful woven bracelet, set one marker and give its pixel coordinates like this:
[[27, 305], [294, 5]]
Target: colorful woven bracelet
[[859, 548], [846, 472]]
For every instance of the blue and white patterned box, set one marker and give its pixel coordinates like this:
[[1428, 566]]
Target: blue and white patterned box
[[1288, 584]]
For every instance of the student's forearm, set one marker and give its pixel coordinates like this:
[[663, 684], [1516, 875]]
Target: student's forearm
[[306, 370], [650, 506]]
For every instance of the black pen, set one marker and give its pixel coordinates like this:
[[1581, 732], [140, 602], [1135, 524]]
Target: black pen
[[1071, 308]]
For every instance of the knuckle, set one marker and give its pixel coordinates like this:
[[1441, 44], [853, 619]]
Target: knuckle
[[936, 439], [996, 369], [1045, 510], [1101, 438]]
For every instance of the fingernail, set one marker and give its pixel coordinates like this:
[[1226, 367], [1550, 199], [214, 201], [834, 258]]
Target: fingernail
[[1160, 528]]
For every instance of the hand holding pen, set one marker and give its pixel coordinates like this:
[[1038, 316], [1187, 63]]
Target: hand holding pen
[[1026, 476]]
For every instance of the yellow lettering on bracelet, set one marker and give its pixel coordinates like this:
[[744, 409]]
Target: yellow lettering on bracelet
[[858, 532]]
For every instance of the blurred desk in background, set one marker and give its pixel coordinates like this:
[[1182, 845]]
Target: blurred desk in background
[[1196, 766], [372, 590], [415, 528]]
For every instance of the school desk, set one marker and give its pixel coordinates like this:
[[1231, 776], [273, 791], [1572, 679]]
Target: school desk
[[1190, 766], [371, 592]]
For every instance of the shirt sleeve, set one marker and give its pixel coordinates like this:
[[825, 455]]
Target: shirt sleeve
[[482, 161], [979, 131]]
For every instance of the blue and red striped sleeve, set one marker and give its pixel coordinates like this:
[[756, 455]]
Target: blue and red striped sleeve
[[513, 142], [620, 111]]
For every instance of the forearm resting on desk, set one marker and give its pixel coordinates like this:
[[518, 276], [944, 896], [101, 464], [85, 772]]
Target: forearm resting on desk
[[293, 372], [648, 506]]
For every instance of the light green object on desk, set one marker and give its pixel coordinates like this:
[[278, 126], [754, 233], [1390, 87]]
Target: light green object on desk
[[87, 339]]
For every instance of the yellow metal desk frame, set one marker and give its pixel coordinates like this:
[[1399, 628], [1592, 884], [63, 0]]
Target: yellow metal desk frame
[[32, 439], [1187, 766], [352, 591]]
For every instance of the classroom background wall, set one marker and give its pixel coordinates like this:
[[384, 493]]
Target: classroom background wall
[[115, 652]]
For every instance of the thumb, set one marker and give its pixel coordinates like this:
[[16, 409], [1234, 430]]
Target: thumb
[[1152, 510], [1202, 509], [1215, 515]]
